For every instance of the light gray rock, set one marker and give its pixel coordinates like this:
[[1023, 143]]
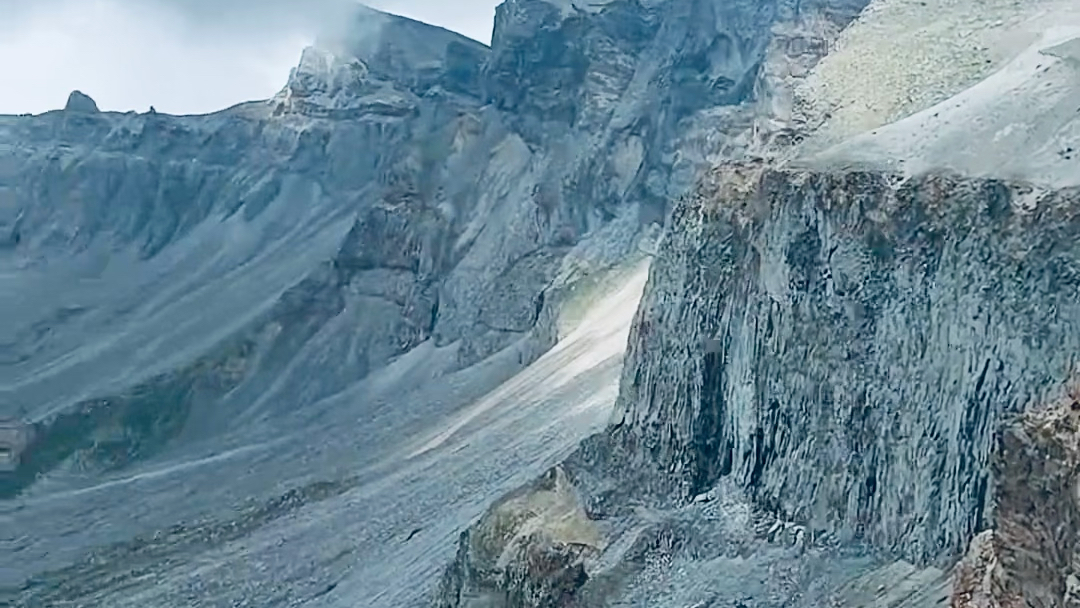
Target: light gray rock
[[839, 300], [217, 301], [80, 102]]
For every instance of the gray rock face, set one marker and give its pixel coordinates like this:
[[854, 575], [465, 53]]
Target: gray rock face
[[838, 301], [80, 102], [841, 348], [182, 289], [828, 393], [166, 245], [407, 184]]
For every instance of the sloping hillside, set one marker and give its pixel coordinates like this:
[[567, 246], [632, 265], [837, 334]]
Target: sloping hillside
[[257, 320]]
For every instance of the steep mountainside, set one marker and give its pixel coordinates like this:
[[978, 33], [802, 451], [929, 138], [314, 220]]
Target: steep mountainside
[[853, 364], [315, 303], [337, 348], [407, 184]]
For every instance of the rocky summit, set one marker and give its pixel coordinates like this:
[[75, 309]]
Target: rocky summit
[[688, 303]]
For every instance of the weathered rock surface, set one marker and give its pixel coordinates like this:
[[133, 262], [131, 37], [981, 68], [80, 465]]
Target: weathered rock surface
[[843, 335], [334, 290], [406, 185], [189, 300], [527, 550], [792, 319], [978, 577], [837, 300], [1030, 557], [80, 102]]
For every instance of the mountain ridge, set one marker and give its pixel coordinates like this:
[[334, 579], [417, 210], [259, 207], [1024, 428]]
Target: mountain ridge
[[832, 376], [322, 337], [365, 219]]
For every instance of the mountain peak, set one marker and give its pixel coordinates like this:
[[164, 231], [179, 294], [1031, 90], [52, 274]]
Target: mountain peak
[[379, 60], [81, 102]]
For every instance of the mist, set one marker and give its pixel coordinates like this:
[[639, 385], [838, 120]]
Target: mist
[[180, 56]]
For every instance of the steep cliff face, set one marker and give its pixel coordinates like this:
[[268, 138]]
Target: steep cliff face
[[832, 369], [407, 184], [827, 385], [846, 344], [841, 348], [204, 309]]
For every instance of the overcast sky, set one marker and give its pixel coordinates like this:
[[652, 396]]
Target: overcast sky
[[181, 56]]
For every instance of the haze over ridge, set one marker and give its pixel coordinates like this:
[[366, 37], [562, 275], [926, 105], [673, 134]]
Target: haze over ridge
[[180, 56]]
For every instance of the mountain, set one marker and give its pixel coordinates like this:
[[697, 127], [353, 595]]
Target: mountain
[[851, 380], [305, 298], [363, 343]]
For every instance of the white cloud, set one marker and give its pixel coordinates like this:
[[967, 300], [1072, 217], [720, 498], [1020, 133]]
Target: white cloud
[[181, 56]]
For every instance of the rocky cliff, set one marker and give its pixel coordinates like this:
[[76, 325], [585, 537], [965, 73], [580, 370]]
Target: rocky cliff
[[406, 185], [210, 310], [841, 348], [821, 306], [828, 391], [317, 335]]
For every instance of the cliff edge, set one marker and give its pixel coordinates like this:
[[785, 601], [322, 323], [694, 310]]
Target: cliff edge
[[832, 385]]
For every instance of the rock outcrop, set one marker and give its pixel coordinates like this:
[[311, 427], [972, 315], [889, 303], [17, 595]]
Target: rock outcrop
[[838, 299], [844, 337], [177, 290], [407, 183], [793, 318], [1030, 557], [80, 102], [528, 550], [826, 396]]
